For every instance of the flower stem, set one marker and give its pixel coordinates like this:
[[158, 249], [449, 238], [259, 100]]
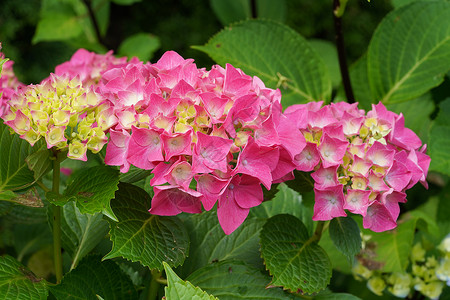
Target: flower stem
[[318, 232], [154, 285], [57, 222], [338, 7]]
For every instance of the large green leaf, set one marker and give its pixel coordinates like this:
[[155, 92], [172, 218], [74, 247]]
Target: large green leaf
[[328, 52], [294, 259], [360, 85], [92, 189], [81, 232], [178, 289], [345, 234], [17, 282], [29, 239], [439, 142], [276, 54], [141, 45], [231, 11], [286, 201], [210, 244], [417, 114], [391, 249], [410, 51], [14, 172], [140, 236], [93, 278], [57, 27], [231, 280]]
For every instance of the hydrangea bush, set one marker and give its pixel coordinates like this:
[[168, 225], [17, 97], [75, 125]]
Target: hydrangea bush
[[242, 180]]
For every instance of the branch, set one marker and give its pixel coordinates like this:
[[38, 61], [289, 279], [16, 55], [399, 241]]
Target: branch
[[95, 23], [338, 11]]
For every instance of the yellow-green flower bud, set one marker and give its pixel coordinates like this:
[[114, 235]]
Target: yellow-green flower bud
[[417, 253], [377, 285], [400, 284]]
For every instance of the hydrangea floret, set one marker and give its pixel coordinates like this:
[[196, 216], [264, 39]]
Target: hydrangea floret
[[209, 136], [360, 162], [8, 84]]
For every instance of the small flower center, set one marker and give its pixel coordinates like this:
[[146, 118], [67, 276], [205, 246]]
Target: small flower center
[[333, 201], [156, 141], [75, 151], [231, 186], [244, 162]]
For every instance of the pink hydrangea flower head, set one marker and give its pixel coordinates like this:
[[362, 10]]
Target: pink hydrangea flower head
[[8, 84], [372, 157]]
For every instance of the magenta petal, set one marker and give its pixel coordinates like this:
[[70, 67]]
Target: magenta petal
[[357, 201], [177, 144], [229, 213], [329, 203], [378, 218], [398, 176], [150, 140], [171, 200], [324, 177], [117, 150], [248, 193], [210, 153], [211, 187], [308, 158], [258, 162], [332, 150], [390, 200], [290, 137]]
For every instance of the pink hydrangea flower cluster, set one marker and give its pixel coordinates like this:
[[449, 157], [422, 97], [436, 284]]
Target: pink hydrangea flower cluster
[[89, 66], [362, 162], [209, 136], [8, 84]]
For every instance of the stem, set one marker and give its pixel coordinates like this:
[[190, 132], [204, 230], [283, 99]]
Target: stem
[[253, 8], [94, 23], [154, 285], [57, 222], [337, 16], [318, 232]]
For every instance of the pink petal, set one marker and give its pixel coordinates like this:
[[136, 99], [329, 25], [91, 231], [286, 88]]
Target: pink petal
[[248, 193], [210, 153], [325, 177], [117, 150], [329, 203], [177, 144], [398, 176], [390, 200], [211, 187], [267, 135], [332, 150], [171, 200], [378, 218], [308, 158], [376, 182], [180, 173], [360, 166], [290, 137], [357, 201], [380, 155]]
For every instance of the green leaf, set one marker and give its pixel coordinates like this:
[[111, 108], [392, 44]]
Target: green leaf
[[339, 261], [439, 143], [17, 282], [275, 53], [391, 249], [93, 278], [40, 163], [29, 198], [125, 2], [210, 244], [286, 201], [360, 85], [29, 239], [410, 51], [231, 280], [336, 296], [231, 11], [271, 10], [14, 172], [93, 189], [134, 175], [57, 27], [328, 52], [294, 259], [140, 236], [81, 232], [178, 289], [417, 114], [302, 183], [345, 234], [141, 45]]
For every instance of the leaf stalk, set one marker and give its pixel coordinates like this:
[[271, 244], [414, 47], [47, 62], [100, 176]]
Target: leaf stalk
[[57, 221]]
